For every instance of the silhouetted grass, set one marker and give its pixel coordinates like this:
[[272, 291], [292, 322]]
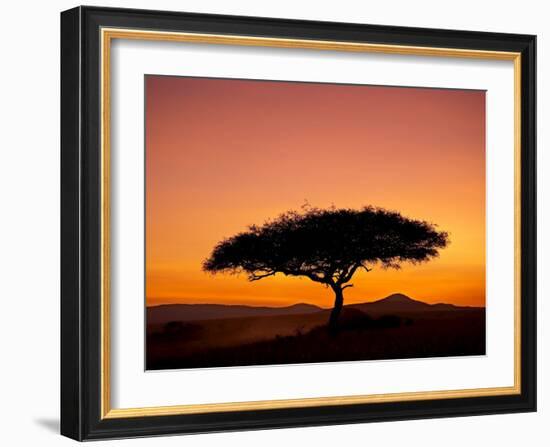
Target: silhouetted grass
[[360, 337]]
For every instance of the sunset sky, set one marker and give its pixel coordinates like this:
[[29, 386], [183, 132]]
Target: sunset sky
[[224, 154]]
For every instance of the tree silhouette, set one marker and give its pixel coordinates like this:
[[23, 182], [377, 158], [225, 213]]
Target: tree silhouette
[[327, 246]]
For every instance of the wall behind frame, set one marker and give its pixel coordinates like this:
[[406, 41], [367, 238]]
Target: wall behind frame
[[29, 227]]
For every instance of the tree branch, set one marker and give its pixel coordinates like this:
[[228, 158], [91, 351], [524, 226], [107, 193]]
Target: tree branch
[[366, 268], [344, 278], [310, 275], [257, 277]]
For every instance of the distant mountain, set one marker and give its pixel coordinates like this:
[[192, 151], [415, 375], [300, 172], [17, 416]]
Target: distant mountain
[[392, 304], [194, 312], [398, 303]]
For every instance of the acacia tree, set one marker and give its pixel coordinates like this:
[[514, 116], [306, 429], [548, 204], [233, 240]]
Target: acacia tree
[[328, 247]]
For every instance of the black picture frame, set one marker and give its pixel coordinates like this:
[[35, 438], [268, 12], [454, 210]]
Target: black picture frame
[[81, 205]]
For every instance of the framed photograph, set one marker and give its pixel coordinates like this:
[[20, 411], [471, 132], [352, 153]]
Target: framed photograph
[[277, 223]]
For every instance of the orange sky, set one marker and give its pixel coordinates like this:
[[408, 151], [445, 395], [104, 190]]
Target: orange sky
[[223, 154]]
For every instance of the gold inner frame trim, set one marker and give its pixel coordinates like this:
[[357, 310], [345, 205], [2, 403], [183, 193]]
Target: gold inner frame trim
[[107, 35]]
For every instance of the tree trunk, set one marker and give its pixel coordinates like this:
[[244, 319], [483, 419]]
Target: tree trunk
[[335, 313]]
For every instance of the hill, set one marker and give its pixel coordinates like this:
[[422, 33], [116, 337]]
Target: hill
[[399, 303], [194, 312], [395, 303]]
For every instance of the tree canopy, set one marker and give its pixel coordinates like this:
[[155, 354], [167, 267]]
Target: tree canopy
[[327, 246]]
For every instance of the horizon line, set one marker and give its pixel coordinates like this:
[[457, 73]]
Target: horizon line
[[147, 305]]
